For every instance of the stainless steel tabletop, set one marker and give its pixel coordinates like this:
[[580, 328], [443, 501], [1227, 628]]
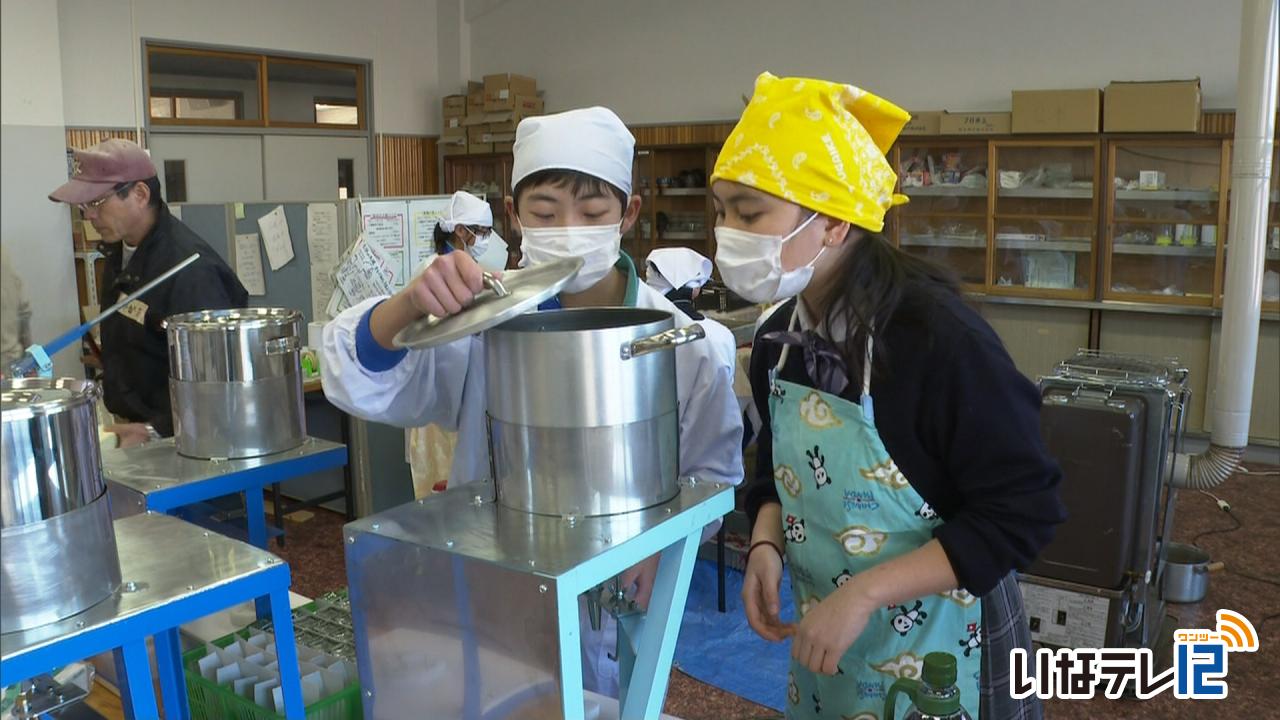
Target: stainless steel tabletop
[[466, 521], [162, 560], [157, 466]]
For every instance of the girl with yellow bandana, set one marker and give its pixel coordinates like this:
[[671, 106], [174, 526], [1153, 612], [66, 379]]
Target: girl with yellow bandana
[[901, 525]]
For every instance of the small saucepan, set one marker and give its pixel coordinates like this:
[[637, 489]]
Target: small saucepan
[[1186, 573]]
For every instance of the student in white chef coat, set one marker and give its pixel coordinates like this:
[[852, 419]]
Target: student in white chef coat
[[469, 225], [571, 197]]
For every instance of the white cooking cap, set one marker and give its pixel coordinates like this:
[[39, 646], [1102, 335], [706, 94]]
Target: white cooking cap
[[590, 140], [671, 268], [467, 209]]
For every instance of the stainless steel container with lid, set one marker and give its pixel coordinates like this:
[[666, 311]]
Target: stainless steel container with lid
[[582, 410], [57, 543], [235, 382]]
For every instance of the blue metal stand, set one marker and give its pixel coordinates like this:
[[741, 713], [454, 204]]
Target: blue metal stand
[[174, 573]]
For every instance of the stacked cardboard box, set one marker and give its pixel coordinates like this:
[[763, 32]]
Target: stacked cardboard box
[[484, 120]]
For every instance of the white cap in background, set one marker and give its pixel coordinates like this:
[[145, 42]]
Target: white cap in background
[[467, 209], [670, 268], [591, 140]]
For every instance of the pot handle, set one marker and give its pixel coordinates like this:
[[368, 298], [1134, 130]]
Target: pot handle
[[665, 340], [1213, 567], [282, 345], [495, 285]]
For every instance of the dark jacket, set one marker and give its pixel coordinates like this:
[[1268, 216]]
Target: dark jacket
[[961, 423], [135, 356]]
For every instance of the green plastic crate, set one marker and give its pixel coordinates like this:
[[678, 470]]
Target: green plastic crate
[[210, 701]]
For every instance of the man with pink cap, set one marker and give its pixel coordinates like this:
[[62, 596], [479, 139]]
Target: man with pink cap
[[114, 184]]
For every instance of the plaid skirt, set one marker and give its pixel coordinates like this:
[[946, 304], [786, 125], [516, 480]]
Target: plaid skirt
[[1004, 628]]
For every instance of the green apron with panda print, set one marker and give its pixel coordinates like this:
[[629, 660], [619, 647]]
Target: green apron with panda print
[[846, 508]]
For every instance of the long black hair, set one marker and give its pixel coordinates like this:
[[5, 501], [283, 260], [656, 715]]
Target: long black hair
[[878, 285]]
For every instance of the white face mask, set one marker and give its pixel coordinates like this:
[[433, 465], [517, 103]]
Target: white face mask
[[597, 245], [481, 244], [751, 264]]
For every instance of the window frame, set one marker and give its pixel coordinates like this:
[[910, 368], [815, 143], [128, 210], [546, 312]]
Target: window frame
[[262, 60]]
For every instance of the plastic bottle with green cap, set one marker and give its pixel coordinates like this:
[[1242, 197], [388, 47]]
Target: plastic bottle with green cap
[[933, 697]]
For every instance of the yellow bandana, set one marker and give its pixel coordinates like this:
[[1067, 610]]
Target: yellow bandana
[[818, 144]]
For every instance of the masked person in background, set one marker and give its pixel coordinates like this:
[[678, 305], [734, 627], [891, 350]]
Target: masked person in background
[[571, 197], [679, 274], [469, 225], [902, 525]]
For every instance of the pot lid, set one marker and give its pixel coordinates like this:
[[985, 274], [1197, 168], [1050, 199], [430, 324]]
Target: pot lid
[[233, 319], [525, 289], [25, 398]]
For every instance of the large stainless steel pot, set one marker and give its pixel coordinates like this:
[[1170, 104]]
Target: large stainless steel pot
[[235, 382], [582, 410], [57, 545]]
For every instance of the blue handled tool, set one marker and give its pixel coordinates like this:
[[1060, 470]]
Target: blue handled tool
[[36, 359]]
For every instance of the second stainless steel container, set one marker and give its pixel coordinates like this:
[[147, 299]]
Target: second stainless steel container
[[235, 382], [582, 410], [57, 545]]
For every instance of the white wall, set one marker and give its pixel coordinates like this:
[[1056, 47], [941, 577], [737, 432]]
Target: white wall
[[399, 36], [36, 232], [675, 60]]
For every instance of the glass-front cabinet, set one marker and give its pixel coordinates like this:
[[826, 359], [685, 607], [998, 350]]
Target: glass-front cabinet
[[1166, 213], [947, 218], [1045, 218], [1271, 239]]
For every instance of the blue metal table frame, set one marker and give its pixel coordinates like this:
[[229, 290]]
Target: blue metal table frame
[[174, 573], [155, 477]]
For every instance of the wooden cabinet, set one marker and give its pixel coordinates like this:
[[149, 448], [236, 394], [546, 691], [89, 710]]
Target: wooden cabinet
[[1166, 216], [1044, 217], [947, 220]]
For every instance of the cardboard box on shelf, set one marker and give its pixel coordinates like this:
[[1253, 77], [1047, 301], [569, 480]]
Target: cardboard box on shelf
[[479, 148], [1057, 111], [476, 133], [503, 147], [474, 86], [456, 131], [475, 103], [508, 121], [501, 91], [1161, 106], [454, 123], [455, 104], [923, 123], [499, 137], [451, 150], [507, 84], [980, 123]]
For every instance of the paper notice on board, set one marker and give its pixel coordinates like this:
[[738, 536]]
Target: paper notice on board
[[249, 264], [385, 225], [322, 246], [275, 237], [424, 231], [366, 273]]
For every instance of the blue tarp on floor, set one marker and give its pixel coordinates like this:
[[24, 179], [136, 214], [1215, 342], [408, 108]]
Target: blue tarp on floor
[[722, 649]]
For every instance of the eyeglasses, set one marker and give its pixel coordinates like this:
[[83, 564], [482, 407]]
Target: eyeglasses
[[95, 204], [480, 233]]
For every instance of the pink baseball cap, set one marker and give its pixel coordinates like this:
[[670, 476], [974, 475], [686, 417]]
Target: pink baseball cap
[[97, 170]]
